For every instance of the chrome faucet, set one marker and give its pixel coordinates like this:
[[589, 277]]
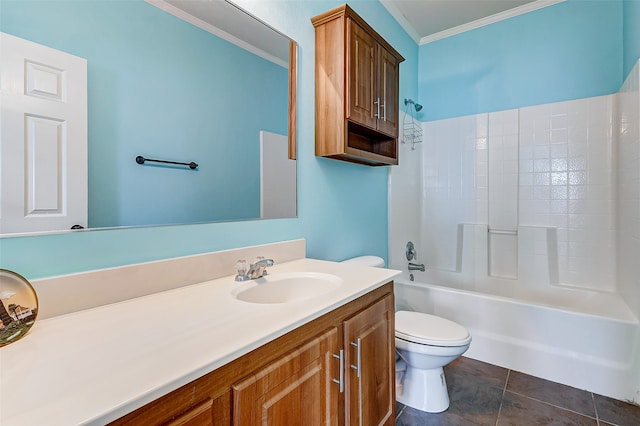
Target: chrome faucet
[[257, 269], [416, 267]]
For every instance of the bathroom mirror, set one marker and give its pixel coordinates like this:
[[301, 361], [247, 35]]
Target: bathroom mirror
[[171, 80]]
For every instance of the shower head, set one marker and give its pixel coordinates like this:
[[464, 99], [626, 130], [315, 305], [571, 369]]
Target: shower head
[[418, 107]]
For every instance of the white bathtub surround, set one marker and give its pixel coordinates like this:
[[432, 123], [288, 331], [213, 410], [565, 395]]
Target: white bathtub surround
[[502, 229], [628, 185], [95, 365], [567, 182], [404, 189], [547, 166], [539, 205]]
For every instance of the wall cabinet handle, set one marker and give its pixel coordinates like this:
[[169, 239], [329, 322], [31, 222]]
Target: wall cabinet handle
[[340, 381], [377, 103], [384, 111], [357, 366]]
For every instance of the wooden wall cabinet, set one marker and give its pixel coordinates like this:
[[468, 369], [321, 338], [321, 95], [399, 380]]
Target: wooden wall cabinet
[[295, 379], [357, 79]]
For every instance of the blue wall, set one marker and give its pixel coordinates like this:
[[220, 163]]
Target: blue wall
[[162, 88], [631, 34], [566, 51], [342, 207]]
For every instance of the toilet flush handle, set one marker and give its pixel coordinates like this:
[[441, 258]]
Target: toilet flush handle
[[357, 366]]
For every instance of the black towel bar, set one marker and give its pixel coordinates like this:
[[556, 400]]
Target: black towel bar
[[140, 160]]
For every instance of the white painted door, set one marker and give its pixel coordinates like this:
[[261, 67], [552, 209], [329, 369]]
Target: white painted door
[[43, 142], [277, 177]]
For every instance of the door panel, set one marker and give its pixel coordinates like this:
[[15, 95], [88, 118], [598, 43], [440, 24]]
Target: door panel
[[371, 391], [46, 142], [388, 91], [294, 390], [361, 104], [43, 149]]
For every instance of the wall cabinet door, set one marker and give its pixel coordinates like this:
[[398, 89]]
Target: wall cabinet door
[[388, 81], [297, 389], [369, 355], [362, 100], [372, 73]]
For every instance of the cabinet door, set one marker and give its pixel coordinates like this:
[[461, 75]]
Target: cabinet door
[[370, 390], [388, 80], [296, 389], [362, 101]]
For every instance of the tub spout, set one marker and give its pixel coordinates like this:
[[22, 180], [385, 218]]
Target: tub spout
[[416, 267]]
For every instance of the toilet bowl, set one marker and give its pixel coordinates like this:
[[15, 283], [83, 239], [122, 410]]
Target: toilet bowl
[[426, 343]]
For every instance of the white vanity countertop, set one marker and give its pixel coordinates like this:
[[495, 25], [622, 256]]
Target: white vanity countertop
[[94, 366]]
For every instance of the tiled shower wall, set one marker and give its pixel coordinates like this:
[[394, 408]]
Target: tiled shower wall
[[567, 182], [628, 195], [454, 186], [540, 179]]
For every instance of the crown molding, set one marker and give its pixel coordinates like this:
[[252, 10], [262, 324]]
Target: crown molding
[[399, 17], [520, 10]]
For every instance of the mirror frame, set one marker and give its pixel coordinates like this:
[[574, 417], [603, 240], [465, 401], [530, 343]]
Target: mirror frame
[[293, 96]]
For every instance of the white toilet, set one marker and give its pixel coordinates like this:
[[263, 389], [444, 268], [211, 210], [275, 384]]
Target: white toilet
[[425, 343]]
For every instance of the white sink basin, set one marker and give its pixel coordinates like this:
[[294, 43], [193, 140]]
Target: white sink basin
[[286, 287]]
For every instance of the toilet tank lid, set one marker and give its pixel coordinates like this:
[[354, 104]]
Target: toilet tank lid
[[367, 261]]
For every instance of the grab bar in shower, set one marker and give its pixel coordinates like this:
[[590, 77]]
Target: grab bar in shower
[[503, 231]]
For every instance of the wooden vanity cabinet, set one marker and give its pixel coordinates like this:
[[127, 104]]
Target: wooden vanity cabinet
[[294, 379], [357, 79]]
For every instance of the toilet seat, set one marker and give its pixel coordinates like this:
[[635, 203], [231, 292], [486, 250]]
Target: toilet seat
[[425, 329]]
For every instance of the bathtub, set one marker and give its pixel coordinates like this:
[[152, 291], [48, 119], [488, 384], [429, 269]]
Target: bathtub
[[582, 338]]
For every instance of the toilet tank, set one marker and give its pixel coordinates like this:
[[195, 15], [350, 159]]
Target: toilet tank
[[367, 261]]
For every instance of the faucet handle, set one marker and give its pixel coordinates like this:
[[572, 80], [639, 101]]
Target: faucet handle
[[410, 251], [241, 267]]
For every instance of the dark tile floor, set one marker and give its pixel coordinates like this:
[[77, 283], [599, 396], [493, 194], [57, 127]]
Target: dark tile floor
[[484, 394]]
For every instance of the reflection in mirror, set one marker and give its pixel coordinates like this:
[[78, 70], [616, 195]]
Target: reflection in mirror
[[162, 83]]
